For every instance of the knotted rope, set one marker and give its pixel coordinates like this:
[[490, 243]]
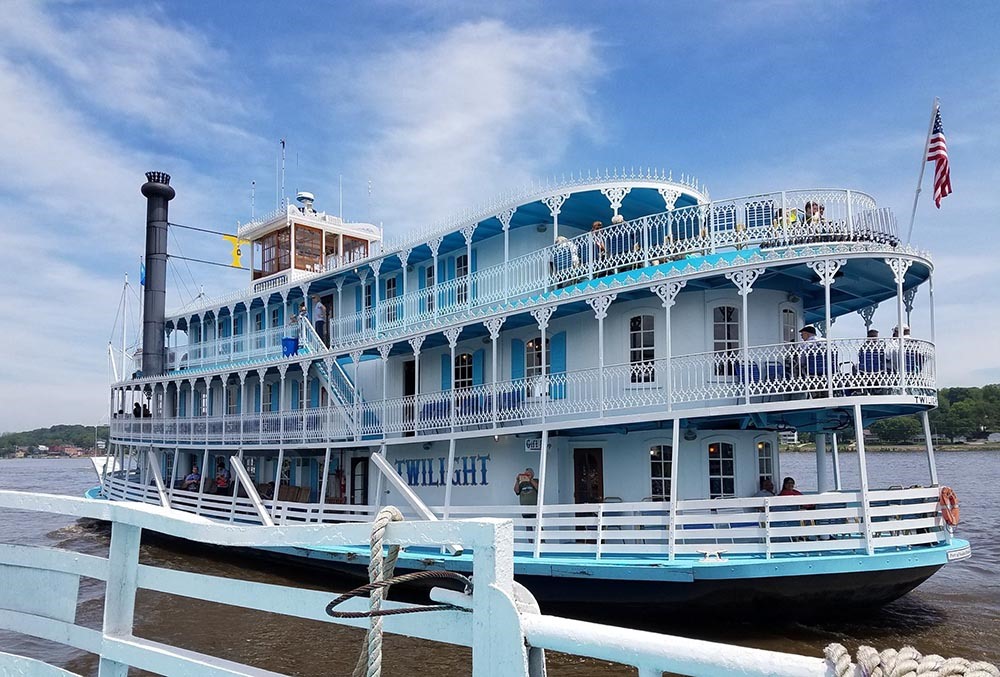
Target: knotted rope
[[907, 662], [370, 659]]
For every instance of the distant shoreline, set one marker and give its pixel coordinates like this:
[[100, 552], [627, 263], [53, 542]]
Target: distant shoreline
[[870, 448]]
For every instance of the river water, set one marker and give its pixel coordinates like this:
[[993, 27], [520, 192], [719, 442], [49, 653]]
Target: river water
[[955, 613]]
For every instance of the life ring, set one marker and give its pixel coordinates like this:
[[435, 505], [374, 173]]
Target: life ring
[[949, 506]]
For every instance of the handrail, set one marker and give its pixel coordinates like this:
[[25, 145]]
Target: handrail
[[786, 370]]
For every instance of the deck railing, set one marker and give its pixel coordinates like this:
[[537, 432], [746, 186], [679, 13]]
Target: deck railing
[[767, 373], [767, 221], [829, 522]]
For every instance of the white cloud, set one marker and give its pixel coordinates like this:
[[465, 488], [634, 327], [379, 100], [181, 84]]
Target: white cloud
[[460, 116]]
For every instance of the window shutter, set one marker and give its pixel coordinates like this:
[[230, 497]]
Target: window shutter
[[314, 393], [516, 358], [473, 267], [422, 276], [557, 353], [446, 371], [275, 402], [256, 398], [296, 402], [182, 403], [477, 367], [451, 267]]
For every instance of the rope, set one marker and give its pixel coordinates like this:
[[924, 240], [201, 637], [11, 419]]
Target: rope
[[907, 662], [370, 659], [405, 578]]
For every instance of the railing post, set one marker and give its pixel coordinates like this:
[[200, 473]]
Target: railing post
[[119, 597], [850, 215], [675, 456], [859, 436]]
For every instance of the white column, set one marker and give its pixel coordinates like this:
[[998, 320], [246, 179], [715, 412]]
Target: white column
[[277, 482], [744, 279], [324, 481], [383, 351], [467, 233], [542, 476], [358, 418], [859, 431], [404, 259], [432, 292], [675, 458], [376, 311], [821, 473], [930, 293], [448, 476], [555, 203], [504, 219], [340, 308], [282, 369], [452, 335], [415, 344], [493, 326], [837, 483], [827, 269], [542, 317], [932, 466], [668, 296], [600, 305], [899, 268]]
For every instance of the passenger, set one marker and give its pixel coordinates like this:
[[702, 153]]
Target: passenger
[[290, 341], [319, 318], [788, 488], [599, 250], [222, 477], [190, 481], [766, 488], [526, 488], [136, 410], [146, 413], [812, 360]]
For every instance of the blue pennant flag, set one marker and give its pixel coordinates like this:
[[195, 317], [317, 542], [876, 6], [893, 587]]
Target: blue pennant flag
[[142, 273]]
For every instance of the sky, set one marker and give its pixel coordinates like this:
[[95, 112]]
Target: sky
[[422, 109]]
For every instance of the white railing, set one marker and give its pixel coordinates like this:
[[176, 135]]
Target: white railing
[[769, 220], [767, 373], [501, 624], [830, 522]]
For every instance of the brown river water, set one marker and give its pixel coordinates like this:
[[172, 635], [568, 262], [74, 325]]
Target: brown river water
[[955, 613]]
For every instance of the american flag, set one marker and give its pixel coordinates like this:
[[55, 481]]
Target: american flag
[[937, 152]]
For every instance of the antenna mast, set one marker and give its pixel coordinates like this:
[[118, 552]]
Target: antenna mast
[[283, 172], [253, 194]]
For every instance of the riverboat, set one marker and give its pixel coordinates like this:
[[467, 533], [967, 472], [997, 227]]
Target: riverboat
[[610, 362]]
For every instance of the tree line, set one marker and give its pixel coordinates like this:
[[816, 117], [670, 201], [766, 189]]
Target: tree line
[[57, 435], [970, 413]]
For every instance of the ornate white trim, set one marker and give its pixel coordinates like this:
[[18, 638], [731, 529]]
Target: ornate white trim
[[899, 266], [668, 292], [543, 315], [493, 326], [555, 203], [744, 279], [615, 195], [600, 304], [826, 269], [451, 333]]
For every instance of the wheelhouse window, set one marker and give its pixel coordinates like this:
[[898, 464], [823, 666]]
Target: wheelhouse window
[[308, 248], [789, 325], [765, 462], [725, 338], [355, 249], [462, 273], [275, 252], [660, 459], [463, 371], [721, 470], [641, 352]]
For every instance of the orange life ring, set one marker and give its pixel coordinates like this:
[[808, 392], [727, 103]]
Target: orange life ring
[[949, 506]]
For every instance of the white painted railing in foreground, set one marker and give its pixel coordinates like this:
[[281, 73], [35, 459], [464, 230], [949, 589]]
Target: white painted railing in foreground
[[501, 631]]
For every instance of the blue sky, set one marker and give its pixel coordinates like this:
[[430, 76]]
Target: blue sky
[[442, 105]]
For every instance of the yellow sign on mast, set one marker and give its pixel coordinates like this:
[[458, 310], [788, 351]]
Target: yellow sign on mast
[[237, 252]]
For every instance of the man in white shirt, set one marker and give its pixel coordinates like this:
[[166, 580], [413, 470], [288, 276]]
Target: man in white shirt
[[319, 318]]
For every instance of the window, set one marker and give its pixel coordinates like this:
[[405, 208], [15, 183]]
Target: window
[[195, 333], [276, 252], [641, 352], [462, 272], [232, 395], [721, 470], [765, 462], [275, 317], [369, 317], [463, 371], [789, 325], [250, 463], [660, 459], [355, 249], [202, 403], [265, 400], [725, 338], [429, 284], [308, 246], [533, 357], [391, 310]]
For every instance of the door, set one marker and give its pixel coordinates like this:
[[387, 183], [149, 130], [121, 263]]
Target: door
[[409, 389], [588, 475], [359, 481]]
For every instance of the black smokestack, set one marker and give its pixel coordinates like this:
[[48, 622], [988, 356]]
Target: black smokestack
[[158, 194]]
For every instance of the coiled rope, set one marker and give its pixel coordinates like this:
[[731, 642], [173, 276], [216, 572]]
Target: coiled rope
[[380, 570], [907, 662]]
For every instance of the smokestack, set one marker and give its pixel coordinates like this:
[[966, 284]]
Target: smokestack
[[158, 193]]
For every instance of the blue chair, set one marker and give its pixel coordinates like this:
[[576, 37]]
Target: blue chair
[[753, 370]]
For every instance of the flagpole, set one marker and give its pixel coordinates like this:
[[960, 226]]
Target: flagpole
[[923, 165]]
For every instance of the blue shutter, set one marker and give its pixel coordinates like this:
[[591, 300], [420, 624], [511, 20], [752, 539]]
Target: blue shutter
[[314, 393], [357, 306], [446, 371], [256, 398], [516, 358], [296, 399], [400, 309], [275, 402], [239, 400], [477, 367], [557, 353], [453, 294], [182, 403], [451, 267], [438, 279]]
